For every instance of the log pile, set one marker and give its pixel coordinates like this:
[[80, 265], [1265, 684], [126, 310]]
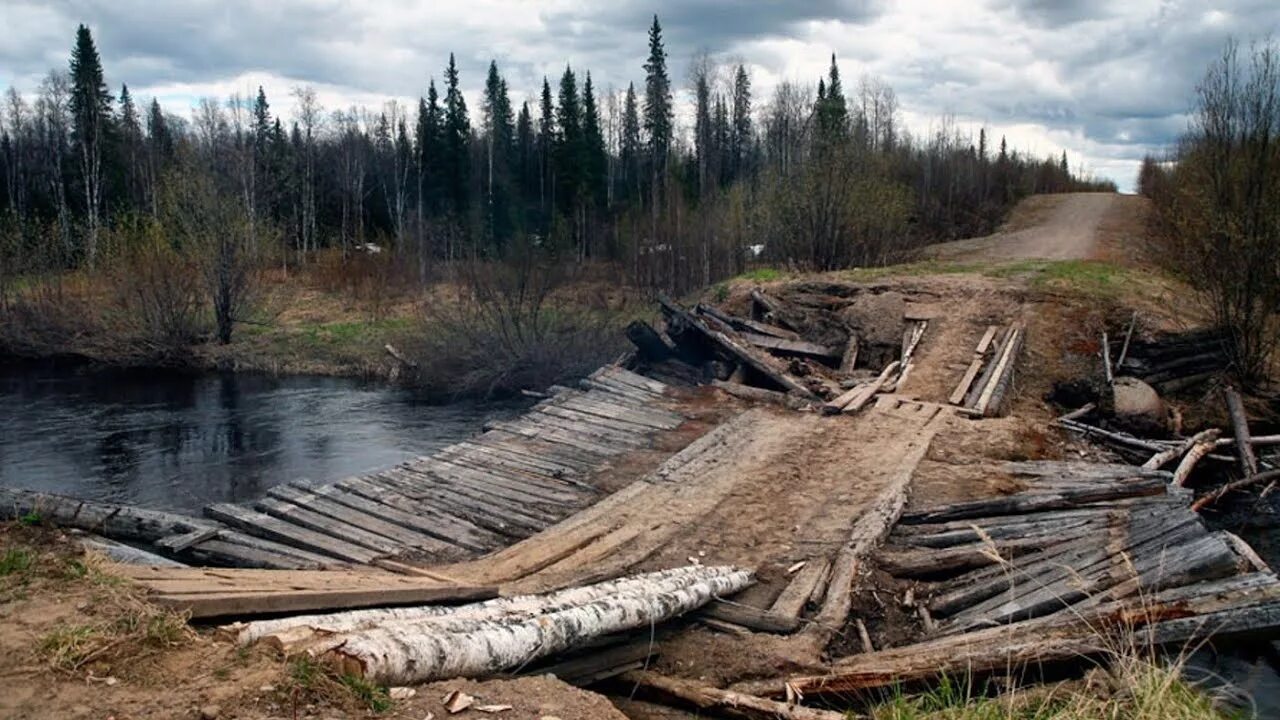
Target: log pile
[[783, 354], [423, 643], [1171, 362], [1088, 560], [508, 483]]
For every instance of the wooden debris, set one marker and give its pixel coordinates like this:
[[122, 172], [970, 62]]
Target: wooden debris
[[774, 310], [599, 664], [1230, 487], [1164, 457], [975, 366], [864, 636], [750, 617], [849, 359], [726, 702], [1240, 429], [804, 585], [747, 325], [652, 346], [992, 396]]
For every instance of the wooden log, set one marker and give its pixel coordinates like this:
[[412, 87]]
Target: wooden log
[[735, 349], [1123, 440], [751, 617], [1128, 336], [1240, 429], [1106, 359], [1181, 616], [772, 308], [755, 394], [746, 324], [122, 553], [782, 346], [1036, 502], [838, 404], [117, 522], [803, 585], [1197, 451], [648, 342], [596, 665], [1230, 487], [409, 654], [849, 360], [1166, 456], [724, 702], [288, 632]]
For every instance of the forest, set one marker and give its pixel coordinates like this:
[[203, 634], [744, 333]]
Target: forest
[[181, 216]]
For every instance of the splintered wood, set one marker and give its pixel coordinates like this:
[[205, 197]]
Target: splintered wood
[[986, 396]]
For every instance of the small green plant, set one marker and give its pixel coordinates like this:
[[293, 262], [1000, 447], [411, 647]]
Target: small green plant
[[374, 697], [69, 646], [305, 672], [720, 292], [30, 519], [764, 274], [15, 561]]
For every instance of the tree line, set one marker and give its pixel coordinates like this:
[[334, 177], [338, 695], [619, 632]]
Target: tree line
[[818, 177]]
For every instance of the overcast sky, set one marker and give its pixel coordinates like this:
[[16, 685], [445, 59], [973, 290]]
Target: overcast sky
[[1105, 80]]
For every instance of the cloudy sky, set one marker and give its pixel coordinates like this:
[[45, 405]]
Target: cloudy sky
[[1105, 80]]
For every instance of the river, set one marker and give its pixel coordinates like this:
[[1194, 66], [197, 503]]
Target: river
[[179, 441]]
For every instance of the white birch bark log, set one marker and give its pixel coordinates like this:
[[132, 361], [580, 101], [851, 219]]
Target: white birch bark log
[[290, 633], [401, 654]]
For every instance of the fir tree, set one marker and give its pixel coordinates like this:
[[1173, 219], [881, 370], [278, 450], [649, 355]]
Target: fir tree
[[569, 155], [526, 153], [832, 111], [427, 140], [131, 149], [702, 132], [546, 148]]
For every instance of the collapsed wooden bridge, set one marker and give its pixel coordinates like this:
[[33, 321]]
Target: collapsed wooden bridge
[[508, 483]]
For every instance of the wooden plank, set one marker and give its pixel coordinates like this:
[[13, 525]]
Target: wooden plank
[[791, 347], [402, 510], [228, 553], [269, 546], [177, 543], [751, 617], [498, 485], [478, 503], [971, 399], [263, 525], [745, 324], [364, 520], [633, 378], [302, 517], [229, 604], [792, 601], [489, 517]]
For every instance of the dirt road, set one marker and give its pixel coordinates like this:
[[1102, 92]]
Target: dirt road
[[1048, 227]]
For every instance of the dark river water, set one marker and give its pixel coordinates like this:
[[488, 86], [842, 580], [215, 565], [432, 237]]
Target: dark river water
[[177, 441]]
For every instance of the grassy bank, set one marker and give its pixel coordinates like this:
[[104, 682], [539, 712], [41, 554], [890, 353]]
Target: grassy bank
[[470, 331]]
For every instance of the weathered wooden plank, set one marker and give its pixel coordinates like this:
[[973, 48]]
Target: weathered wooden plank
[[1033, 502], [633, 378], [265, 526], [751, 617], [361, 519], [745, 324], [459, 497], [311, 520], [792, 601], [497, 485], [402, 510], [596, 433], [230, 604], [223, 552], [791, 347], [488, 516]]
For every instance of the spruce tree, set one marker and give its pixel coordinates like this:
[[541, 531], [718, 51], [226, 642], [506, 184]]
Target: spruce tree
[[90, 130], [832, 111], [742, 133], [456, 144], [130, 149], [630, 145], [546, 149], [702, 132], [427, 140], [593, 140], [657, 101], [570, 153], [526, 154], [499, 153]]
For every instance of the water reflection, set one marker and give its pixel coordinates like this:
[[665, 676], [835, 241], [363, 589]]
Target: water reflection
[[179, 441]]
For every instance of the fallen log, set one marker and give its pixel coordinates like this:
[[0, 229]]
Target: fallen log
[[725, 702], [1222, 492], [414, 653], [755, 394], [117, 522], [1035, 502], [747, 325], [783, 346], [291, 632], [773, 309], [751, 617], [804, 585], [1240, 429]]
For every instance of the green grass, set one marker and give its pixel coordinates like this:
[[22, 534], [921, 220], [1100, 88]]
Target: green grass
[[16, 561], [1139, 691], [764, 274], [374, 697], [1092, 277]]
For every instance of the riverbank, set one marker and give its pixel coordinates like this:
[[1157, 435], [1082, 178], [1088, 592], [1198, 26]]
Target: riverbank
[[356, 319]]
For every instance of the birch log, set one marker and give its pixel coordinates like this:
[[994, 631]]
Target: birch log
[[290, 632], [1161, 458], [403, 654], [1240, 428]]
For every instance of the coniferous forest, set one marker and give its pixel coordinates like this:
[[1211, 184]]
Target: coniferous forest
[[182, 213]]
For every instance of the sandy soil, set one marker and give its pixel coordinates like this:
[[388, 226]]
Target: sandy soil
[[1049, 227]]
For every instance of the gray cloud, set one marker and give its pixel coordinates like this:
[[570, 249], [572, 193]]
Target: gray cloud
[[1107, 80]]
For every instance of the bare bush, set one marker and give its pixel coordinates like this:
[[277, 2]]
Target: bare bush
[[1219, 217], [511, 325], [159, 293]]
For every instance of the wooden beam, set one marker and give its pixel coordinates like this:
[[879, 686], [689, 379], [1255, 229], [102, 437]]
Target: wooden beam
[[1240, 428]]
